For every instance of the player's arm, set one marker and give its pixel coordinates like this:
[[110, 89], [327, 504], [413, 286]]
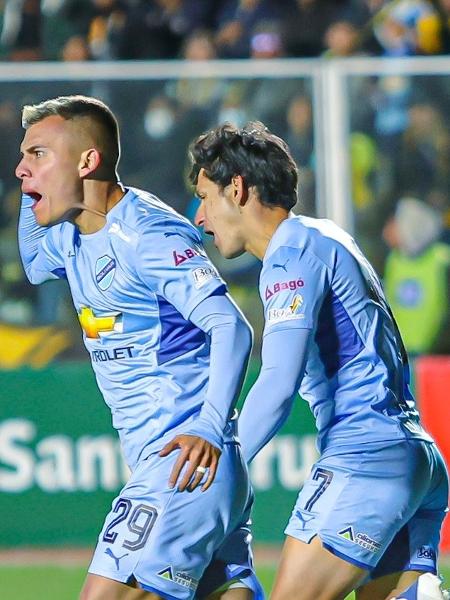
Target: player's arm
[[40, 257], [270, 399], [293, 284], [231, 341]]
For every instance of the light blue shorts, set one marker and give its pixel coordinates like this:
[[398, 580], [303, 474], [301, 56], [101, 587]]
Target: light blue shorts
[[166, 539], [381, 510]]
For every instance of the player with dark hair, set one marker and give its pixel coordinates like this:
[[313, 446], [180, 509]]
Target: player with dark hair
[[368, 518], [161, 331]]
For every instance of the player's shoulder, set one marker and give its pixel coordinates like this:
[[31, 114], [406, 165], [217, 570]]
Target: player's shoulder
[[150, 216]]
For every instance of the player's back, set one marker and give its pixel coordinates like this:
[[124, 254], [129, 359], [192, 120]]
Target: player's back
[[356, 377]]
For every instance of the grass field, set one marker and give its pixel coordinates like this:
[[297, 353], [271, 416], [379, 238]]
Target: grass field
[[40, 582]]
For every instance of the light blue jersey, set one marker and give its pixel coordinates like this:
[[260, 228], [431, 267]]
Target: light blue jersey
[[134, 285], [356, 374], [160, 330], [378, 494]]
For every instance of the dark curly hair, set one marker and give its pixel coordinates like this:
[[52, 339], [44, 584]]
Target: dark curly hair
[[262, 159]]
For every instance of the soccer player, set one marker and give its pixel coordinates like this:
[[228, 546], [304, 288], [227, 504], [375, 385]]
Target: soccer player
[[368, 518], [169, 350]]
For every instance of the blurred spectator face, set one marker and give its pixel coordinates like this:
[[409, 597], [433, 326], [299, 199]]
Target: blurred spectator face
[[199, 46], [341, 38], [390, 233], [170, 5], [423, 119], [266, 44], [299, 115], [104, 4], [249, 4], [266, 40], [160, 118], [75, 49]]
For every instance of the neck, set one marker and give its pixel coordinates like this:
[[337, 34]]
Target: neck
[[99, 197], [261, 228]]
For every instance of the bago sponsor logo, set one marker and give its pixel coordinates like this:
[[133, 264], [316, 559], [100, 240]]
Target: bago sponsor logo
[[181, 257], [282, 286]]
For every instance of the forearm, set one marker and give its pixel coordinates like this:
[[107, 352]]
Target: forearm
[[270, 399], [231, 340]]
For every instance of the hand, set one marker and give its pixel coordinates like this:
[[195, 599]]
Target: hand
[[198, 453]]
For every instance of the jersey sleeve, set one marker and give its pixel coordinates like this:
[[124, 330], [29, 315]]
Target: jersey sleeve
[[173, 263], [40, 247], [293, 284]]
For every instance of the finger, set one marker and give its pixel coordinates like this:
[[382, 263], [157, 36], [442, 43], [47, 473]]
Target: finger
[[199, 475], [211, 474], [178, 466], [187, 477], [169, 447]]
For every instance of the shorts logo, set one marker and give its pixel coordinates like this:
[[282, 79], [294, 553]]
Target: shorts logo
[[361, 539], [179, 577], [115, 558], [426, 552], [347, 534], [277, 315], [181, 257], [292, 285], [202, 275], [105, 269]]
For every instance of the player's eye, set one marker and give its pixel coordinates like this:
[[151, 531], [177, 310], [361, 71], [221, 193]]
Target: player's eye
[[39, 153]]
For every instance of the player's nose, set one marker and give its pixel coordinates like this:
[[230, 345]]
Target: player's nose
[[22, 170], [200, 216]]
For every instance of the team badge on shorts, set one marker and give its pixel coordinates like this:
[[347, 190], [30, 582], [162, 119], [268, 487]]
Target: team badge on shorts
[[105, 269]]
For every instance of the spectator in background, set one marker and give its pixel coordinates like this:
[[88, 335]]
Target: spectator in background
[[433, 29], [299, 136], [239, 20], [341, 40], [106, 29], [158, 155], [202, 94], [304, 26], [76, 49], [416, 276], [22, 30], [422, 163], [395, 26]]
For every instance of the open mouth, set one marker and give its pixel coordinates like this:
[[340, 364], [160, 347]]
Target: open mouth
[[36, 197]]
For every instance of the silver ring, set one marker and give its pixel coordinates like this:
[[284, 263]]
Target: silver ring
[[201, 470]]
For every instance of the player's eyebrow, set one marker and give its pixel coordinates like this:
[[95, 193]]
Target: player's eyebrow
[[30, 149]]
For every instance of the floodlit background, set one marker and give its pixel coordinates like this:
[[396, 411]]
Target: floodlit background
[[358, 88]]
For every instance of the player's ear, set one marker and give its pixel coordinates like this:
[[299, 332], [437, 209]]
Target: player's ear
[[239, 190], [89, 162]]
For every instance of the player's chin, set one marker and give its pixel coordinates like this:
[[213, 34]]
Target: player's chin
[[230, 252]]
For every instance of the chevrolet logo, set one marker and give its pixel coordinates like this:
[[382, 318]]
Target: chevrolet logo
[[92, 325]]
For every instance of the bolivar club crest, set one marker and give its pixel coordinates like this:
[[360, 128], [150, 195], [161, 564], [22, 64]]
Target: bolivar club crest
[[105, 269]]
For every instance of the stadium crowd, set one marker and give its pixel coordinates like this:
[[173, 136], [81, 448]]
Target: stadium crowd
[[159, 29], [399, 140]]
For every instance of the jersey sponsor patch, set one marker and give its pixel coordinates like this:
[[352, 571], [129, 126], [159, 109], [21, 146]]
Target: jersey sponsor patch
[[281, 286], [181, 257], [93, 326], [289, 313], [105, 269], [202, 275]]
